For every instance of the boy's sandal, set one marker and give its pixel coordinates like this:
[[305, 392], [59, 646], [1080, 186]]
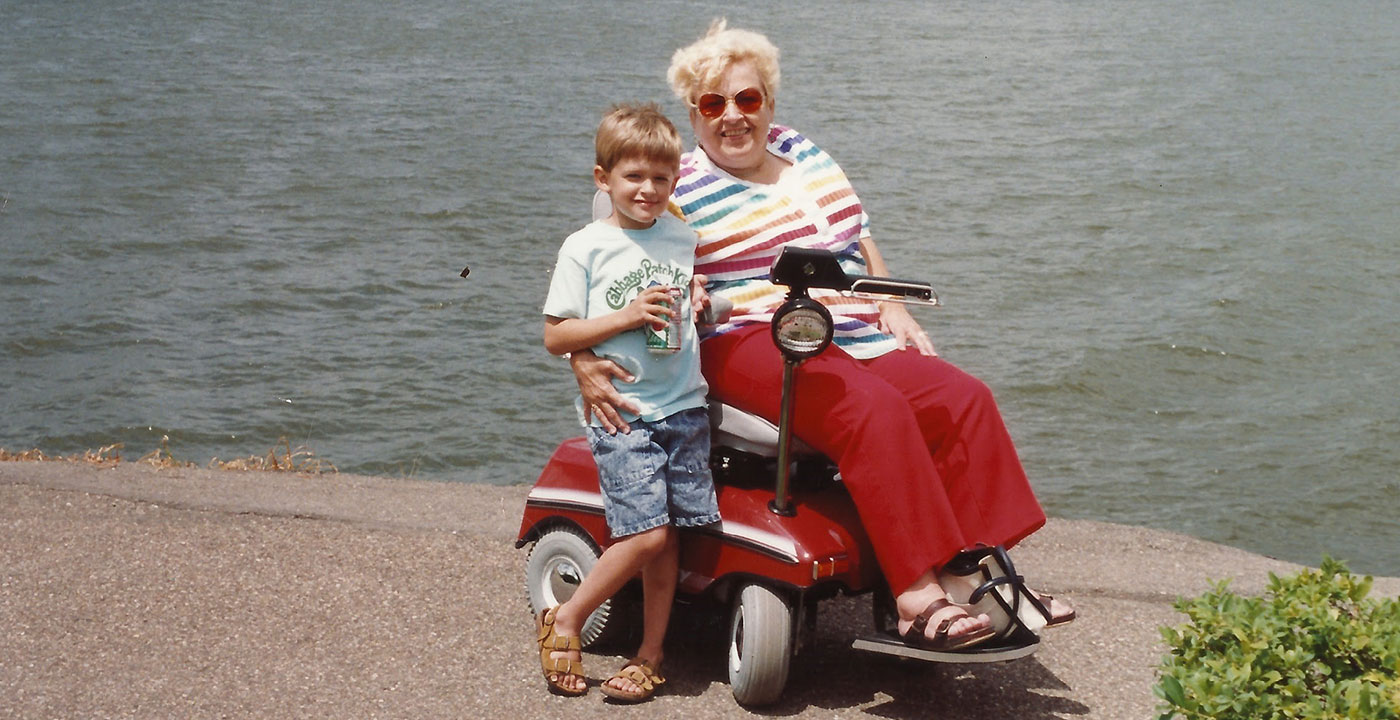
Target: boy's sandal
[[642, 674], [557, 670], [941, 640]]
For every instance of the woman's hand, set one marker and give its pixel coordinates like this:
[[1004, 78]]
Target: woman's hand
[[699, 298], [894, 317], [601, 399], [896, 320]]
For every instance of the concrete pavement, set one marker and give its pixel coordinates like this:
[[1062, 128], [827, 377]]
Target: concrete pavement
[[143, 593]]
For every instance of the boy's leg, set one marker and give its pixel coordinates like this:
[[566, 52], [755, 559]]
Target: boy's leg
[[619, 564], [658, 593], [691, 502], [659, 579], [658, 584]]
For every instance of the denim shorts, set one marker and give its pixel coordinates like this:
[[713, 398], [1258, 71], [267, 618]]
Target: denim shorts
[[658, 474]]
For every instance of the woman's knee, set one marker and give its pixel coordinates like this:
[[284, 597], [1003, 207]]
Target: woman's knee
[[978, 392], [977, 402], [959, 391]]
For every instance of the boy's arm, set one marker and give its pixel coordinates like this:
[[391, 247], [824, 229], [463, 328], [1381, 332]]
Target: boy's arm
[[566, 335]]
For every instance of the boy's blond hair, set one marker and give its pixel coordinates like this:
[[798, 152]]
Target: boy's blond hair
[[631, 130], [699, 65]]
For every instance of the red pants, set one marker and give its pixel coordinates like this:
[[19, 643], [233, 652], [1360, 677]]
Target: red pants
[[920, 444]]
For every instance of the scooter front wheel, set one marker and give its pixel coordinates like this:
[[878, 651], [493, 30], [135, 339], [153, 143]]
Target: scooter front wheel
[[760, 645], [555, 567]]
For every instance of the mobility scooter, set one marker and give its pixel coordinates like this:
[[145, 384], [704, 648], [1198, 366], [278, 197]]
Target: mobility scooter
[[789, 535]]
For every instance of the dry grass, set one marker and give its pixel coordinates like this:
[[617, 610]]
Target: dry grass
[[281, 458], [300, 460], [102, 457], [161, 456]]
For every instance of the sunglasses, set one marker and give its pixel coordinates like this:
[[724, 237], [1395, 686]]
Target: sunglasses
[[712, 105]]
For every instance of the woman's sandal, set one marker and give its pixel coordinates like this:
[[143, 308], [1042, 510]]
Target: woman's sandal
[[557, 670], [941, 641], [642, 674]]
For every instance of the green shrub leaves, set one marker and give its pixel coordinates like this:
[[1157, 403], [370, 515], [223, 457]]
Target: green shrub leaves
[[1312, 647]]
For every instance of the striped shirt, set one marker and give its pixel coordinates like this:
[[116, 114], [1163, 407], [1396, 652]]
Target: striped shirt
[[743, 226]]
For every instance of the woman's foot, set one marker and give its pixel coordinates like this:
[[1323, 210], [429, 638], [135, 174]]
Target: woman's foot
[[939, 621], [942, 616], [1057, 612]]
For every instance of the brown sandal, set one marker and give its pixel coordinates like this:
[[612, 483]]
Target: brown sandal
[[941, 640], [557, 670], [642, 674]]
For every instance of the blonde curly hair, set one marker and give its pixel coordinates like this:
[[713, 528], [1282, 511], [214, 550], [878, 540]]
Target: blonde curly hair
[[699, 65]]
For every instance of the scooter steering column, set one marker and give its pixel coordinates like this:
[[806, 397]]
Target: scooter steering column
[[781, 503]]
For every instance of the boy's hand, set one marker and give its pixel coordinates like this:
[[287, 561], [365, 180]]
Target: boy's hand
[[648, 307]]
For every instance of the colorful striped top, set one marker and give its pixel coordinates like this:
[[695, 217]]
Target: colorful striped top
[[743, 226]]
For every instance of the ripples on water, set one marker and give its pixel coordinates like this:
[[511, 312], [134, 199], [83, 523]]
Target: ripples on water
[[1167, 239]]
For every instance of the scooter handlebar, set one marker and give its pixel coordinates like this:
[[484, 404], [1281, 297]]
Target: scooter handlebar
[[911, 291], [804, 268]]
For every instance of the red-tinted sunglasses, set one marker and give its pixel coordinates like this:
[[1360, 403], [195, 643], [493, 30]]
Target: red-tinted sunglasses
[[748, 100]]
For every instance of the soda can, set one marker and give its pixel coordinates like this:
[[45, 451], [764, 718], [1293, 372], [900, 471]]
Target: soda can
[[667, 338]]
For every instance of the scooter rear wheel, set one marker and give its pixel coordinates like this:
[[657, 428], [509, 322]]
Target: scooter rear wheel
[[557, 563], [760, 645]]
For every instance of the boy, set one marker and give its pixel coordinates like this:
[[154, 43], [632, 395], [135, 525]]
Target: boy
[[619, 288]]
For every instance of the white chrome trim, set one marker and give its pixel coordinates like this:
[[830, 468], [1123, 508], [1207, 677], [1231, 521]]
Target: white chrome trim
[[566, 495], [779, 545]]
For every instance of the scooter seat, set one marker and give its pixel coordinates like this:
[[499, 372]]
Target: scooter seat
[[734, 428]]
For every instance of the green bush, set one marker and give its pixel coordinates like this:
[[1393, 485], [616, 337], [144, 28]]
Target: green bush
[[1312, 647]]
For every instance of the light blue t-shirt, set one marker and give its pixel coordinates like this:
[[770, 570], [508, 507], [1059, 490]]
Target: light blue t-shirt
[[602, 268]]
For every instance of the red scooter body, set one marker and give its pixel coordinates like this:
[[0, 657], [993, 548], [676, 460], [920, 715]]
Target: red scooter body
[[822, 544]]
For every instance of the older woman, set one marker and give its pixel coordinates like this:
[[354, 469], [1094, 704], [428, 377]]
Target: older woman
[[920, 444]]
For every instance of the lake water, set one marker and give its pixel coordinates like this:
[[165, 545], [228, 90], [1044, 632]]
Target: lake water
[[1166, 232]]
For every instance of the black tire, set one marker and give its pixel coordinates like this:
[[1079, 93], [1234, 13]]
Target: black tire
[[760, 645], [557, 563]]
